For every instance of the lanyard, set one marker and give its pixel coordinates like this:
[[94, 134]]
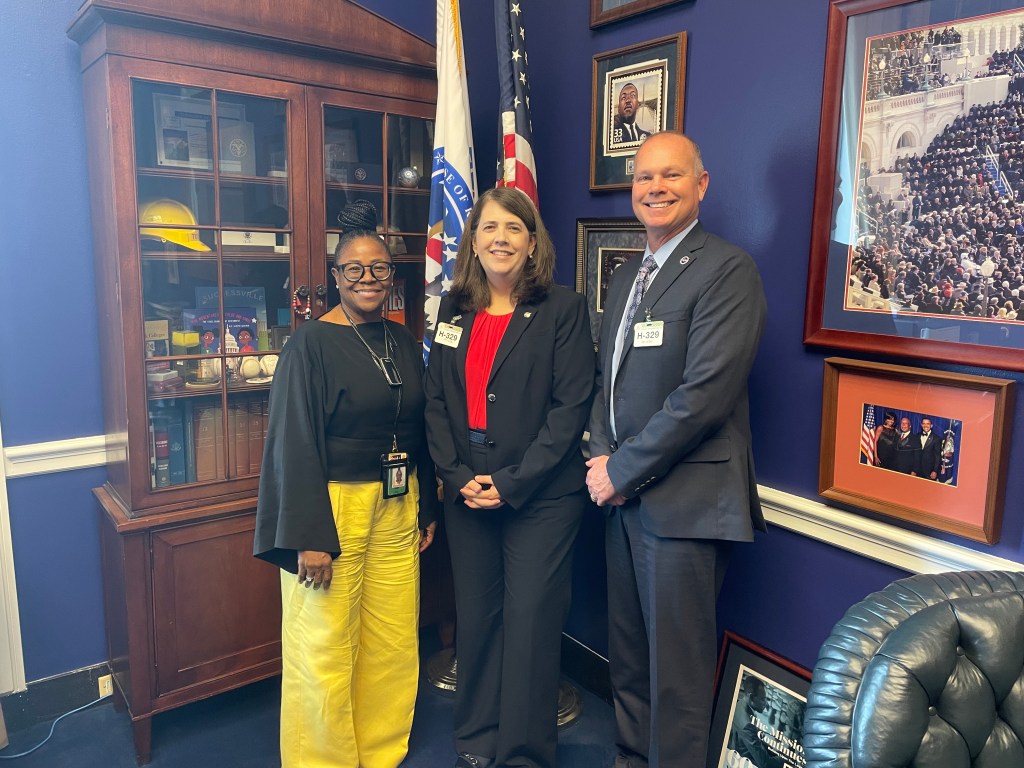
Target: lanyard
[[386, 365]]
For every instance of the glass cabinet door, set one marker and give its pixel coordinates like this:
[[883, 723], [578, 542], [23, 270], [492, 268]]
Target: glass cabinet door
[[384, 159], [410, 145], [215, 245]]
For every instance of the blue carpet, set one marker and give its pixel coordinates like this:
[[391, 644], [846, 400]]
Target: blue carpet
[[240, 728]]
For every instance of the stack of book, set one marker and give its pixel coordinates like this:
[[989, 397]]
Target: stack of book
[[191, 442]]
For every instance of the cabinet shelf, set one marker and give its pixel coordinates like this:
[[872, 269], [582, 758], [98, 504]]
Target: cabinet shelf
[[345, 186], [207, 175]]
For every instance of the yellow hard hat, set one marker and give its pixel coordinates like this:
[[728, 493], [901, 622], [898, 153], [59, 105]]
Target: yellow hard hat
[[167, 211]]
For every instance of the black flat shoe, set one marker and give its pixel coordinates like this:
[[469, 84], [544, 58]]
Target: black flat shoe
[[467, 760]]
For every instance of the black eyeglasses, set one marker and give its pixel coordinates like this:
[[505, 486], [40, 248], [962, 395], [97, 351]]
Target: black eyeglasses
[[353, 271]]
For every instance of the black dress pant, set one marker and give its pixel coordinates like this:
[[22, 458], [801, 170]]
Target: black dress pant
[[512, 571]]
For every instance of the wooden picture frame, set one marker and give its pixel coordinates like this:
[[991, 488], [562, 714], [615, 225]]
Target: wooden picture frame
[[905, 258], [654, 73], [602, 245], [968, 421], [606, 11], [760, 699]]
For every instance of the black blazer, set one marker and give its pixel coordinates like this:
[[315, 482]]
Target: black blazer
[[539, 396]]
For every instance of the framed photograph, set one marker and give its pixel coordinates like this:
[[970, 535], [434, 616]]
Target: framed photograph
[[606, 11], [602, 245], [637, 91], [184, 134], [917, 243], [760, 699], [927, 447]]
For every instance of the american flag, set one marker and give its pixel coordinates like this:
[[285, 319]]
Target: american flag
[[453, 173], [867, 435], [518, 169]]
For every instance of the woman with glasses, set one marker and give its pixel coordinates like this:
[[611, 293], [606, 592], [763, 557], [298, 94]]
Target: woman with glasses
[[509, 386], [340, 512]]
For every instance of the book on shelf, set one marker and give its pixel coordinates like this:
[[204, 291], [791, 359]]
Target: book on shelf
[[240, 329], [218, 444], [238, 446], [176, 447], [188, 425], [152, 452], [256, 434], [206, 418], [161, 452], [241, 296], [157, 338], [169, 447]]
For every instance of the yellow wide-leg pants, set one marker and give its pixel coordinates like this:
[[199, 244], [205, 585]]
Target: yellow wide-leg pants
[[350, 654]]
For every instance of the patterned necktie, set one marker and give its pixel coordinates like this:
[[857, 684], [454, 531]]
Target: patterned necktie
[[642, 277]]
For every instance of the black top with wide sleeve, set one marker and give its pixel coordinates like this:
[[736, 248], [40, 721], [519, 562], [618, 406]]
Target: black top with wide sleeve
[[332, 415]]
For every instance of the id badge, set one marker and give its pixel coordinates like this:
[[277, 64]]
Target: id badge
[[649, 334], [394, 474], [448, 335]]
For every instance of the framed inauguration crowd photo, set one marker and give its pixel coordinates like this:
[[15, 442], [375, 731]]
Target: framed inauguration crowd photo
[[917, 239], [637, 91], [927, 447]]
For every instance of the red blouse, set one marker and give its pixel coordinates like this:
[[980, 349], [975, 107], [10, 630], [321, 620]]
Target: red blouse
[[483, 347]]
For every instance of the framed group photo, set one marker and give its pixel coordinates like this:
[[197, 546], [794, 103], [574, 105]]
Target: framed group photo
[[917, 244], [922, 446], [602, 246], [637, 91], [760, 700], [606, 11]]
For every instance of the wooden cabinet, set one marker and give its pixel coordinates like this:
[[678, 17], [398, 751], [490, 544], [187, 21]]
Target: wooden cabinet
[[224, 139]]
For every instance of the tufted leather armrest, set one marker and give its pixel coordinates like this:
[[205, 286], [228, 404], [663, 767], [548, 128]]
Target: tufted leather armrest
[[927, 672]]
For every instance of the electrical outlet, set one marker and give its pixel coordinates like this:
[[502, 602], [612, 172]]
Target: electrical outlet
[[106, 685]]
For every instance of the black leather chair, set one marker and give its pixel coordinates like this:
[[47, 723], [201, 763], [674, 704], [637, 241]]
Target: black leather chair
[[928, 672]]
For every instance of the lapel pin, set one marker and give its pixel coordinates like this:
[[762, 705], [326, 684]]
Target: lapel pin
[[527, 314], [685, 260]]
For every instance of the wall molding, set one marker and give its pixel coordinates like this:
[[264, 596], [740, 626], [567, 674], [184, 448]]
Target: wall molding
[[56, 456], [889, 544]]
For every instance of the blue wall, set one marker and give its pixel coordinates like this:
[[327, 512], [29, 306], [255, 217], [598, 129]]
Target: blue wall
[[49, 376], [753, 94]]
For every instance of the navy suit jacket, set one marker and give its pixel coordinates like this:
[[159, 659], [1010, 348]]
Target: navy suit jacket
[[538, 400], [683, 433]]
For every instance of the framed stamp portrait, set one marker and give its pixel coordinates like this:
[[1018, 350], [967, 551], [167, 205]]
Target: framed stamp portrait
[[603, 245], [760, 700], [637, 91], [917, 245], [922, 446], [606, 11]]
